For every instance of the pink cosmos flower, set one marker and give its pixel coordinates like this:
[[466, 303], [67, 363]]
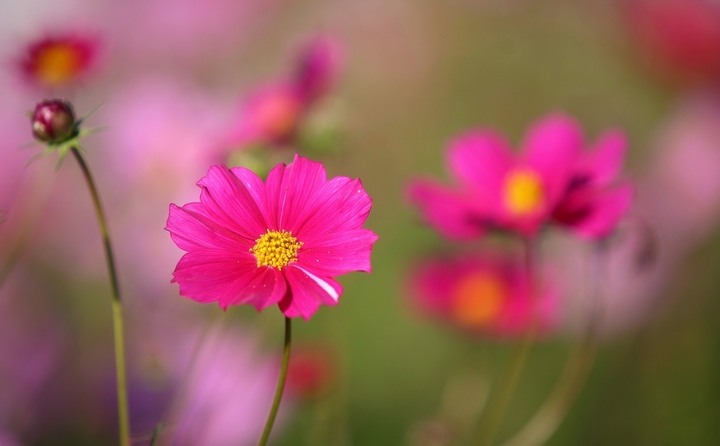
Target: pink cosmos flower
[[279, 242], [481, 294], [272, 114], [60, 59], [522, 192]]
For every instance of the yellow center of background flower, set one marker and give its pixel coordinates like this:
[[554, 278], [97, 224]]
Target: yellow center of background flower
[[478, 299], [57, 64], [276, 248], [524, 192]]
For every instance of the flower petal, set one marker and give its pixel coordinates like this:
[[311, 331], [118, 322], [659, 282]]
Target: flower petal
[[230, 278], [338, 253], [607, 210], [551, 147], [227, 199], [480, 159], [604, 164], [253, 184], [190, 228], [307, 292], [446, 210], [289, 189], [340, 204]]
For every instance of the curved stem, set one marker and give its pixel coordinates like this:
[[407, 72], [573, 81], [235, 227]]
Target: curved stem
[[551, 414], [119, 338], [280, 384], [497, 406]]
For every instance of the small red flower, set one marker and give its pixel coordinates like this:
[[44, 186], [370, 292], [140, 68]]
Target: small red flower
[[312, 371], [59, 60], [482, 294]]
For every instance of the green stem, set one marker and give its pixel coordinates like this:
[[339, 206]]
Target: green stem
[[551, 414], [497, 406], [123, 413], [280, 384]]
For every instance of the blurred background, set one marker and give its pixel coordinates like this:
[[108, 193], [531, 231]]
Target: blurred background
[[173, 80]]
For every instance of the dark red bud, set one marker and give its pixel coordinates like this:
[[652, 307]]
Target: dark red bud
[[53, 121]]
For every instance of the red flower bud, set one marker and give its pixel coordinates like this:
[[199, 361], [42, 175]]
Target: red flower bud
[[53, 121]]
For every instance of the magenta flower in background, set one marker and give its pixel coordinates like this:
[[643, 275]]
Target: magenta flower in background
[[550, 180], [595, 200], [312, 372], [272, 114], [269, 116], [496, 188], [60, 59], [481, 294], [279, 242], [319, 67], [679, 39]]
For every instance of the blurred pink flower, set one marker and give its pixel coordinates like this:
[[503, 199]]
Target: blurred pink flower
[[272, 114], [269, 116], [677, 207], [481, 294], [312, 371], [227, 395], [497, 188], [278, 242], [59, 59], [679, 38], [161, 131], [682, 189], [550, 180], [318, 67]]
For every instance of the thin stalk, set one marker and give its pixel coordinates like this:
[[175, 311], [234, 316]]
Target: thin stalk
[[551, 414], [497, 406], [280, 384], [119, 338]]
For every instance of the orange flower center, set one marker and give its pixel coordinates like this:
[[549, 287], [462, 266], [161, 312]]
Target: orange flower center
[[478, 299], [276, 249], [57, 64], [523, 191]]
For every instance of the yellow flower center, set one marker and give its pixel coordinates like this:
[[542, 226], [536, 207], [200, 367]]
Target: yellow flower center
[[276, 248], [524, 192], [478, 299], [57, 64]]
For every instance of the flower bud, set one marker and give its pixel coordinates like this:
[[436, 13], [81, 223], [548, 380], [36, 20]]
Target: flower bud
[[53, 121]]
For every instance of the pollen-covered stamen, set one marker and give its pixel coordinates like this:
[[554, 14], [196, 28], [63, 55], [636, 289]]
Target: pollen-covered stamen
[[276, 248], [524, 192]]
